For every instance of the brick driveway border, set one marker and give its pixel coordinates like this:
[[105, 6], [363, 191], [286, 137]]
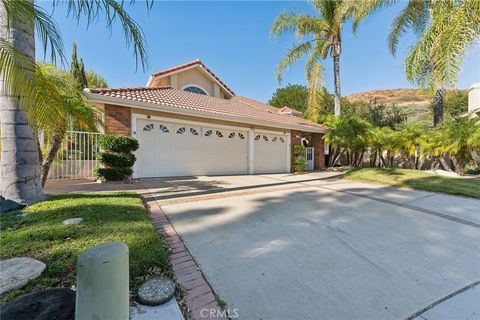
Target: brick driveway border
[[200, 297]]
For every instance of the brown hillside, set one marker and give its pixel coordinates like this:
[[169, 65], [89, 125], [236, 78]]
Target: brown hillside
[[401, 97]]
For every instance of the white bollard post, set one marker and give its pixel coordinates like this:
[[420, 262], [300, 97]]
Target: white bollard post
[[102, 283]]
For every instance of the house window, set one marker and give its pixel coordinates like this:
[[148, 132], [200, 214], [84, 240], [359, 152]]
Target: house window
[[208, 133], [274, 139], [231, 135], [195, 89], [163, 128], [257, 137], [241, 136], [149, 127], [193, 132], [181, 130], [265, 138], [219, 134]]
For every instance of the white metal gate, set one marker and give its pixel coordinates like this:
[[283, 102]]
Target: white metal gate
[[310, 158], [77, 157]]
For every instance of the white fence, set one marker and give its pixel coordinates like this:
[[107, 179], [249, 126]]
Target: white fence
[[77, 157]]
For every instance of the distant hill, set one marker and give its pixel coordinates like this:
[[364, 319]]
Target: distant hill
[[416, 102]]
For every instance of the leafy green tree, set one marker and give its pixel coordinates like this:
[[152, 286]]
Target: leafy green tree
[[95, 80], [23, 86], [77, 69], [455, 104], [83, 76], [379, 116], [292, 95], [321, 36]]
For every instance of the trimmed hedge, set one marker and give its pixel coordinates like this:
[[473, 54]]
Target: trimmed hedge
[[116, 159], [122, 144], [113, 174], [299, 160]]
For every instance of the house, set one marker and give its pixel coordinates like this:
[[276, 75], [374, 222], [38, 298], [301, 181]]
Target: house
[[474, 100], [189, 122]]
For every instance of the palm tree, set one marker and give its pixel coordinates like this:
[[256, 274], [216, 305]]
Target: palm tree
[[321, 36], [22, 87], [75, 111], [445, 30]]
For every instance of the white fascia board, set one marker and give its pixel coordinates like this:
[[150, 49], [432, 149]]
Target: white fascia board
[[176, 110]]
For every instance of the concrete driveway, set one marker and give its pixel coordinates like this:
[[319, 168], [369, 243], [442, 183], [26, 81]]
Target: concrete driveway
[[315, 247]]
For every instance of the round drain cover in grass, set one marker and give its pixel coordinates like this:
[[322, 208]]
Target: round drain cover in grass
[[156, 291]]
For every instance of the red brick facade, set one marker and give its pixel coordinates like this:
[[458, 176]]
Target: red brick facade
[[318, 151], [118, 120], [316, 141]]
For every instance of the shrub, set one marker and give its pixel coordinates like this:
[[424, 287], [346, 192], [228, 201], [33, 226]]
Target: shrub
[[113, 174], [299, 160], [116, 159], [118, 143]]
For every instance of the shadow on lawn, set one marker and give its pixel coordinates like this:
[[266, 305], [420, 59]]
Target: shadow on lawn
[[106, 218]]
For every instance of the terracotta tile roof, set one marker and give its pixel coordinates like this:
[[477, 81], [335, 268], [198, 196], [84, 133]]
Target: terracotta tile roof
[[190, 64], [239, 107]]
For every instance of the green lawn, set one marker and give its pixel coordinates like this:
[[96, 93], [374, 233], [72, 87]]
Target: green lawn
[[416, 179], [106, 217]]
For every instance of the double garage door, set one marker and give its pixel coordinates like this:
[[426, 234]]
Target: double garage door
[[176, 149]]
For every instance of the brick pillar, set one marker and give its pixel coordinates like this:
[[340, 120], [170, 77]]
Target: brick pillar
[[295, 139], [118, 120], [318, 145]]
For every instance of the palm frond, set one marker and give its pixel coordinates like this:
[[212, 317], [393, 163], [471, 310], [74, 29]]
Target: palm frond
[[294, 54], [26, 12], [313, 107], [359, 10], [459, 30], [414, 16], [286, 21], [23, 80], [112, 10]]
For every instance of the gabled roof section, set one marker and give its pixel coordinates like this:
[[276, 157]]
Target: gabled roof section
[[167, 99], [185, 66]]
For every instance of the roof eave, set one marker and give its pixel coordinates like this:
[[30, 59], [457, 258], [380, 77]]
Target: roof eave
[[196, 65], [209, 115]]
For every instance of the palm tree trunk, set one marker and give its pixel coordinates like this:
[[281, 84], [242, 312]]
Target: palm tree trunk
[[19, 165], [336, 75], [438, 107], [475, 157], [57, 138], [444, 164]]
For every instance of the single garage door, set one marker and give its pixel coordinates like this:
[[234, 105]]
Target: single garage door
[[174, 149], [271, 153]]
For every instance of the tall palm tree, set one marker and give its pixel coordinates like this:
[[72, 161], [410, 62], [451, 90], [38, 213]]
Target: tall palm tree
[[22, 87], [445, 30], [321, 36]]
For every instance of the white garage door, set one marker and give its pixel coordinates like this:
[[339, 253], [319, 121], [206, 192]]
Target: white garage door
[[174, 149], [271, 153]]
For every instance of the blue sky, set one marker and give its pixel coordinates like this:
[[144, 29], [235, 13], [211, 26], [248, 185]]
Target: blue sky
[[232, 39]]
